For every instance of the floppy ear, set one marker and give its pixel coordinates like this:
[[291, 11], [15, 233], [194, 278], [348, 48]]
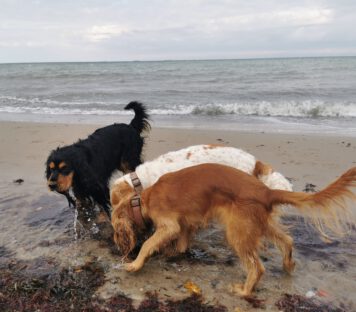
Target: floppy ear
[[124, 235], [261, 169], [48, 161]]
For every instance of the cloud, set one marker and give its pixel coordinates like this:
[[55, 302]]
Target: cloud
[[103, 32], [273, 19], [178, 28], [171, 29], [305, 16]]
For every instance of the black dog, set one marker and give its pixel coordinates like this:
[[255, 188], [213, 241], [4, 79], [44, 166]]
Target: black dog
[[86, 166]]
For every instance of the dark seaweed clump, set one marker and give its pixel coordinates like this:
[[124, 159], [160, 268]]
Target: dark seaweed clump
[[192, 303], [256, 302], [40, 285], [297, 303]]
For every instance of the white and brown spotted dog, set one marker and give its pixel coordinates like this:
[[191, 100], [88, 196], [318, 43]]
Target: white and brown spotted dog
[[149, 173]]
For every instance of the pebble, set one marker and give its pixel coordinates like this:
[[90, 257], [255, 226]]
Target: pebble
[[310, 294]]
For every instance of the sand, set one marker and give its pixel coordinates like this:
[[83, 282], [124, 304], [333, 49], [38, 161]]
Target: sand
[[36, 223]]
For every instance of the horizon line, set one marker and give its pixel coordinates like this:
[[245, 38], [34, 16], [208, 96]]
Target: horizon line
[[183, 60]]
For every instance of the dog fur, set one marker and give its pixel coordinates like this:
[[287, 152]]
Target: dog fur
[[86, 166], [150, 171], [183, 201]]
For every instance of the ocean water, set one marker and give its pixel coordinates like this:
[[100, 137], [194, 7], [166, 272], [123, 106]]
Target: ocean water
[[279, 95]]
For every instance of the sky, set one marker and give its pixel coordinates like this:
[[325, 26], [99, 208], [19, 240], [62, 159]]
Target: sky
[[126, 30]]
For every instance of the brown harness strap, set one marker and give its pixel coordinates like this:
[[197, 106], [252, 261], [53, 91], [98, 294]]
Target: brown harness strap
[[135, 201]]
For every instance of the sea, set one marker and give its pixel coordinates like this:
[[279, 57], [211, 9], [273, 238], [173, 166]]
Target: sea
[[284, 95]]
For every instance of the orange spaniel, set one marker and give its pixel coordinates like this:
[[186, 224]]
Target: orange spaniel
[[181, 202]]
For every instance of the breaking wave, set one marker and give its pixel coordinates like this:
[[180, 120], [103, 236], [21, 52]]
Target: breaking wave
[[306, 109], [311, 109]]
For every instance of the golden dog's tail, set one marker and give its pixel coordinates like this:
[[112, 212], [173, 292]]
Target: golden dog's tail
[[329, 209]]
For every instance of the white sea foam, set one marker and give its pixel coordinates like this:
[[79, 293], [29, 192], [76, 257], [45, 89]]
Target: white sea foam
[[307, 108]]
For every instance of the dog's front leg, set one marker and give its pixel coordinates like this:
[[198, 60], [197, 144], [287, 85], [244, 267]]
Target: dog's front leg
[[164, 234]]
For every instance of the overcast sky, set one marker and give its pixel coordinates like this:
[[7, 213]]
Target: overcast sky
[[114, 30]]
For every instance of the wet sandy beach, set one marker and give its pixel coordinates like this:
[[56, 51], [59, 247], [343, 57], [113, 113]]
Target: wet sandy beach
[[47, 261]]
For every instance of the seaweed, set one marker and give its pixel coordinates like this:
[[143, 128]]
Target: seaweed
[[25, 287], [298, 303], [50, 288], [189, 304], [255, 302]]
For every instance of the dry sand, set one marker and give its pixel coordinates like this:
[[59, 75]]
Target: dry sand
[[36, 223]]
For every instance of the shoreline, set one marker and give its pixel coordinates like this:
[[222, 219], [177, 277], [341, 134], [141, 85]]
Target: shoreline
[[322, 126]]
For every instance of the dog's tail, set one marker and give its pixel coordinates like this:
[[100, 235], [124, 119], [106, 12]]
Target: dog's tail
[[329, 209], [140, 121]]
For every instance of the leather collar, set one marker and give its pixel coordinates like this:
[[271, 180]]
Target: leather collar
[[136, 183], [135, 202]]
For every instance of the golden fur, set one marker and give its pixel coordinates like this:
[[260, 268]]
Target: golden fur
[[183, 201]]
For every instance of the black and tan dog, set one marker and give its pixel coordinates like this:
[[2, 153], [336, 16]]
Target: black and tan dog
[[86, 166]]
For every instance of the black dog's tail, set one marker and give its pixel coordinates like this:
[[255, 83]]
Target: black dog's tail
[[140, 121]]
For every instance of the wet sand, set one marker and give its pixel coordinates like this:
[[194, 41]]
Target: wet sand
[[38, 236]]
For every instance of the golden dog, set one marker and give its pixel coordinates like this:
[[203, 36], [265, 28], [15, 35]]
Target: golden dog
[[183, 201]]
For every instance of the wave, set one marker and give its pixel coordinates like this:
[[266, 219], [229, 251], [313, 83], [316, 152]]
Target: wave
[[306, 109], [16, 101], [309, 108]]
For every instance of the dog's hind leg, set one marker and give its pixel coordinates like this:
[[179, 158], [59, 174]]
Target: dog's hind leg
[[284, 243], [184, 239], [255, 270], [181, 244], [130, 158], [245, 242], [166, 231]]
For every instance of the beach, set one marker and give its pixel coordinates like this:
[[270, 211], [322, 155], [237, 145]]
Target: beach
[[38, 232]]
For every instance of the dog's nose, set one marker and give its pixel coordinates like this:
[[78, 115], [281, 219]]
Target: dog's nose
[[52, 186]]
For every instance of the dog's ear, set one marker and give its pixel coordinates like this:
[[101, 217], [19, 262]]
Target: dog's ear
[[85, 175], [124, 235], [262, 169], [48, 161], [47, 171]]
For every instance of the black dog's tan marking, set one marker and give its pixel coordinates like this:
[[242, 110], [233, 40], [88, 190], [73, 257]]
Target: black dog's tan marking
[[62, 165], [60, 179], [86, 166]]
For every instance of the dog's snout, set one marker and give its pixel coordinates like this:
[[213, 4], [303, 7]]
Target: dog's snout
[[52, 186], [52, 182], [53, 177]]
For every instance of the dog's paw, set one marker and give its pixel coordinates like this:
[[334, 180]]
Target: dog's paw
[[289, 266], [239, 289], [133, 266]]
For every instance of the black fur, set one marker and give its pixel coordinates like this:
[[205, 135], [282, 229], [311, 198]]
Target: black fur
[[93, 160]]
